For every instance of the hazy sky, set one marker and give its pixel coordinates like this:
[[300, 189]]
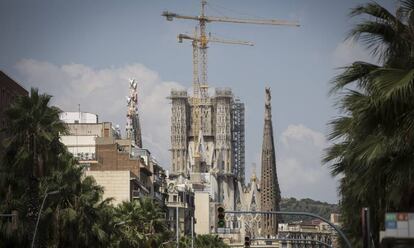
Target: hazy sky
[[83, 52]]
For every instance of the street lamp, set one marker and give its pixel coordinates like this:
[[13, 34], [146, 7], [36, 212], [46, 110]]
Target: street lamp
[[40, 212]]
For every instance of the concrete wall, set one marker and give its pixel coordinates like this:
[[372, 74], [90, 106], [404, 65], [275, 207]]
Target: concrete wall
[[116, 184], [98, 129], [82, 138], [9, 91], [78, 117], [202, 212], [82, 147]]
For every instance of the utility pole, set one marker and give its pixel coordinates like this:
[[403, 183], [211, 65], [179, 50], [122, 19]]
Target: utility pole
[[177, 229], [40, 213]]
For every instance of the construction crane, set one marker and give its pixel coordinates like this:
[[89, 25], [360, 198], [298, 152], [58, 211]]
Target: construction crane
[[200, 42], [203, 40], [195, 41], [197, 88]]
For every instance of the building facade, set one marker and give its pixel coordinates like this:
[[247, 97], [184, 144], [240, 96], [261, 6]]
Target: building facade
[[121, 185], [312, 233], [9, 91], [83, 131], [123, 169], [78, 117], [180, 207], [207, 139]]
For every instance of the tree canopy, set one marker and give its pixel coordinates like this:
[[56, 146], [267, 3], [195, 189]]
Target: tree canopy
[[36, 163], [373, 138]]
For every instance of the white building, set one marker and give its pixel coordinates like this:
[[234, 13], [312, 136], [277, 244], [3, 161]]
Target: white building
[[83, 130], [78, 117]]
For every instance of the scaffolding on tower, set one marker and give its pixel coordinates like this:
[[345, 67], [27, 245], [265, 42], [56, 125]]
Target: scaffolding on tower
[[133, 127]]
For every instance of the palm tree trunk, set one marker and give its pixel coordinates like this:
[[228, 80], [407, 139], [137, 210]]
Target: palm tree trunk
[[33, 208]]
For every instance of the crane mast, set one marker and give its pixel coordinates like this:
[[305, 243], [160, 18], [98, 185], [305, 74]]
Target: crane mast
[[203, 51]]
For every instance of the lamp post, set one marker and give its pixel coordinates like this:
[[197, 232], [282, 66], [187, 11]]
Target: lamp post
[[40, 212], [192, 232]]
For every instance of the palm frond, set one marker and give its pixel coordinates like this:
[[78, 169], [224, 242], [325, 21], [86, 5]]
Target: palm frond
[[357, 72], [375, 10]]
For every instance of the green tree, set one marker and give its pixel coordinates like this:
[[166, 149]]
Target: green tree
[[203, 241], [141, 223], [35, 163], [77, 217], [30, 151], [374, 138]]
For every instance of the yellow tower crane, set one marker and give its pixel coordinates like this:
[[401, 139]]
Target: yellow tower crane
[[199, 42], [198, 92]]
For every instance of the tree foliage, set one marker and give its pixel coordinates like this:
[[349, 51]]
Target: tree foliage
[[373, 139], [35, 162], [203, 241], [322, 209]]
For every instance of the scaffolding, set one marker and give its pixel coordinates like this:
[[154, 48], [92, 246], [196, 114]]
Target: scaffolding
[[133, 127], [238, 140]]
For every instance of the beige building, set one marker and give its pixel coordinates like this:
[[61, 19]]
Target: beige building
[[118, 185], [202, 213], [145, 177], [84, 129], [315, 233], [180, 200], [123, 169]]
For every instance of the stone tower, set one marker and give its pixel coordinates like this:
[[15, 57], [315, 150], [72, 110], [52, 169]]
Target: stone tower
[[269, 186], [206, 133]]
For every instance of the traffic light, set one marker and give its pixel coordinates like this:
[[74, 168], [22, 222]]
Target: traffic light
[[221, 223], [247, 241]]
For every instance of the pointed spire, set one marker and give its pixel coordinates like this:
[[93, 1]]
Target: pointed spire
[[268, 105], [269, 186]]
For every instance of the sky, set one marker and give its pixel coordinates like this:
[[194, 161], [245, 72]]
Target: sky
[[84, 51]]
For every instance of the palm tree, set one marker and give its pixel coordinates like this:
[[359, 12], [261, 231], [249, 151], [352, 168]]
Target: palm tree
[[374, 138], [203, 241], [141, 223], [85, 220], [31, 149], [35, 162], [78, 217]]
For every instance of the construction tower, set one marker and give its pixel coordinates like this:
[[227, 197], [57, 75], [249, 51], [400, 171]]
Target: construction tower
[[133, 127]]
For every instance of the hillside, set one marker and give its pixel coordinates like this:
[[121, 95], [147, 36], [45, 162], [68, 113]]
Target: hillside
[[323, 209]]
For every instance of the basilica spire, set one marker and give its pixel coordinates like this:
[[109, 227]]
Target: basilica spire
[[269, 186]]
